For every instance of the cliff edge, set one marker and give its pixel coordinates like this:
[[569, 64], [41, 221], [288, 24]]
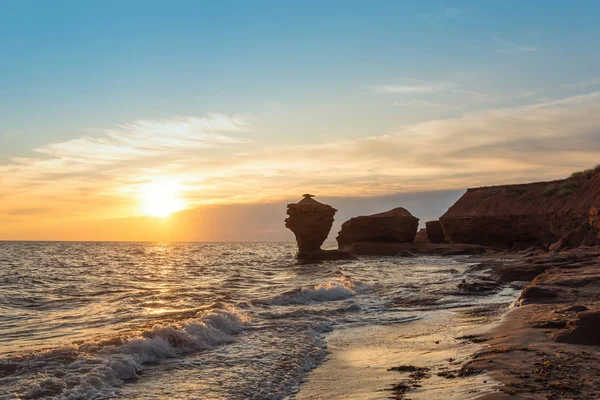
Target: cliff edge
[[540, 213]]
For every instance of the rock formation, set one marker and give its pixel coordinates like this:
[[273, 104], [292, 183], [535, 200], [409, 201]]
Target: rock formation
[[435, 232], [421, 237], [394, 226], [311, 222], [581, 330], [531, 214]]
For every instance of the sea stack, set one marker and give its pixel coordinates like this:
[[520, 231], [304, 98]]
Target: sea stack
[[394, 226], [311, 222]]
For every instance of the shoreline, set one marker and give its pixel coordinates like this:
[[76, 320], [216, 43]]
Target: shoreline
[[542, 350], [361, 358], [514, 356]]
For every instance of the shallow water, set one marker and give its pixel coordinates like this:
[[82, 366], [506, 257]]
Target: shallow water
[[195, 320]]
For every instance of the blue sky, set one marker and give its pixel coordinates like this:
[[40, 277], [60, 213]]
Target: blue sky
[[69, 68], [293, 78]]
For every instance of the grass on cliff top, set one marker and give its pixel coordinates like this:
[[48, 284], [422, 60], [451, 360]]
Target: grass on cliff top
[[569, 186], [586, 173]]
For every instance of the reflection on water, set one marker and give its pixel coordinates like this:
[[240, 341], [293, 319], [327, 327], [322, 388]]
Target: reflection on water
[[194, 320]]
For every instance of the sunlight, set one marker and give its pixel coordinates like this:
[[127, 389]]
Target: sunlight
[[160, 198]]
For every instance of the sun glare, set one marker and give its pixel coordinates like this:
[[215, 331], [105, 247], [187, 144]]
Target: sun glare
[[161, 198]]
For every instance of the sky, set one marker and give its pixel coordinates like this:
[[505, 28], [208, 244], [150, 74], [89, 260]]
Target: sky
[[234, 108]]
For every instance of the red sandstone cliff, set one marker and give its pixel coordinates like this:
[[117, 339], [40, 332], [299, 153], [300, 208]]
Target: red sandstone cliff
[[535, 213]]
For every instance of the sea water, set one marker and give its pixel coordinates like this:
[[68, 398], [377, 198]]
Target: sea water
[[196, 320]]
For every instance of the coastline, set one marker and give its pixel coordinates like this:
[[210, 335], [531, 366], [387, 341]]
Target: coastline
[[513, 354], [542, 350]]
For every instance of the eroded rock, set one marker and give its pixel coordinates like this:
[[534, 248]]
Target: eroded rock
[[530, 214], [435, 232], [311, 222], [585, 329], [394, 226]]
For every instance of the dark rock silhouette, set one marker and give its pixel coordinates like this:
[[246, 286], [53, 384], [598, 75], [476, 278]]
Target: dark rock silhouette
[[311, 222], [417, 248], [435, 232], [394, 226]]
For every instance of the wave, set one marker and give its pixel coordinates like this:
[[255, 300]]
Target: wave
[[328, 291], [95, 370]]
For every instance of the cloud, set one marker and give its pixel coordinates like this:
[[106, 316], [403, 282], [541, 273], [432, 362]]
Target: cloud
[[512, 47], [583, 84], [410, 87], [216, 164], [424, 104]]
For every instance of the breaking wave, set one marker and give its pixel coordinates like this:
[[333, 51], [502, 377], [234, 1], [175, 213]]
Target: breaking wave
[[328, 291], [95, 370]]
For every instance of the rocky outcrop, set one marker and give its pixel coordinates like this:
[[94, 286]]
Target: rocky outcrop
[[417, 248], [584, 329], [394, 226], [311, 222], [530, 214], [435, 232]]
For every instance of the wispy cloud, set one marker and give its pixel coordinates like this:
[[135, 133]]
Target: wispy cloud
[[215, 164], [423, 103], [583, 84], [411, 87], [512, 47]]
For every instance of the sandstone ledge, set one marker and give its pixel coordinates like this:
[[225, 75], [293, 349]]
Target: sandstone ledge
[[548, 347], [324, 255], [422, 248]]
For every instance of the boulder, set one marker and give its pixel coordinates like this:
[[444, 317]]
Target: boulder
[[311, 222], [394, 226], [539, 294], [582, 330], [435, 232]]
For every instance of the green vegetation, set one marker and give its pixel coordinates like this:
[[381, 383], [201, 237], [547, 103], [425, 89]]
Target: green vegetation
[[566, 188], [586, 174]]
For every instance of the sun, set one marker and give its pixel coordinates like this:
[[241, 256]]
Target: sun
[[160, 198]]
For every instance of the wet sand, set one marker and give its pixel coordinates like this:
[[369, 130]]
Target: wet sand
[[360, 359]]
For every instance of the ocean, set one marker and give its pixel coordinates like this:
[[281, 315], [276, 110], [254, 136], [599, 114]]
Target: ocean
[[99, 320]]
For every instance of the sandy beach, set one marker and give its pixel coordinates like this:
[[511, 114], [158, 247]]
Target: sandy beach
[[362, 360]]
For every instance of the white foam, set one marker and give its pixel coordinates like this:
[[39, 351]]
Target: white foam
[[328, 291], [100, 369]]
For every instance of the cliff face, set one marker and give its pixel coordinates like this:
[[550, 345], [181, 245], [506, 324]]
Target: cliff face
[[394, 226], [535, 213]]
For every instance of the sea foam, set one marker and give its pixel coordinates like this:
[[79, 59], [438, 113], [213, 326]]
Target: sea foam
[[95, 370], [328, 291]]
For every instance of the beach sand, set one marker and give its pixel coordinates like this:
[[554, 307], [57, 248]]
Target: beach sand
[[360, 359]]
